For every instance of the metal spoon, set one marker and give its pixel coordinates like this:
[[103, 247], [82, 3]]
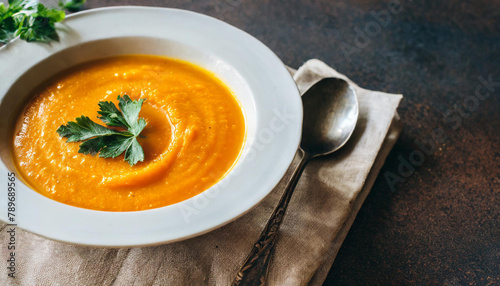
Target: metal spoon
[[330, 115]]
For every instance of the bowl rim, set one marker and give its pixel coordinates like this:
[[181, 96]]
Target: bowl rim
[[41, 215]]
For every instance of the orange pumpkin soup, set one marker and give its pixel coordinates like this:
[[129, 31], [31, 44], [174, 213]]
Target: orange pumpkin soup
[[194, 134]]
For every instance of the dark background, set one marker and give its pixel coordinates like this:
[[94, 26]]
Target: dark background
[[439, 226]]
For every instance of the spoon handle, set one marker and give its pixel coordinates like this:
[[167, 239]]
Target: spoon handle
[[255, 268]]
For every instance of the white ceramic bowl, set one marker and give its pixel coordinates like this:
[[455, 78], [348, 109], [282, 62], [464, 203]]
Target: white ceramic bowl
[[267, 92]]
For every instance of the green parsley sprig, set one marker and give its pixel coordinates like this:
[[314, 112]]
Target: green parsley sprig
[[71, 5], [32, 21], [108, 142]]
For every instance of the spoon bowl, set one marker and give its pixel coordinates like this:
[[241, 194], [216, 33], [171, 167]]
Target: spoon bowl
[[330, 115]]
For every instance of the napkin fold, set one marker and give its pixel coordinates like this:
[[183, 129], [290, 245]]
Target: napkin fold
[[325, 203]]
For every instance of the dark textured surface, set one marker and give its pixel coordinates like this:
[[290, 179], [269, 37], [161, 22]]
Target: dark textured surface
[[439, 226]]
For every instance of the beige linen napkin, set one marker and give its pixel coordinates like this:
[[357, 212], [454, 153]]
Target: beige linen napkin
[[325, 203]]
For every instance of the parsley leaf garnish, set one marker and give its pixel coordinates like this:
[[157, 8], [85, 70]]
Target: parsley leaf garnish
[[107, 142], [32, 21], [7, 28], [37, 24], [72, 5], [8, 25]]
